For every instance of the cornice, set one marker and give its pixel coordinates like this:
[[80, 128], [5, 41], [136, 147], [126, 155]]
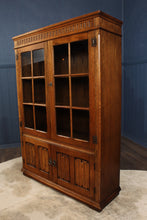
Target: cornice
[[76, 25]]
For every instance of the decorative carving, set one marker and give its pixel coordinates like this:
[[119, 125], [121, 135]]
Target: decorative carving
[[68, 29], [30, 154], [43, 159], [82, 173], [63, 166]]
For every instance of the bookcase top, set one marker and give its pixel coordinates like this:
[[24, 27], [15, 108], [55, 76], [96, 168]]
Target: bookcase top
[[87, 22]]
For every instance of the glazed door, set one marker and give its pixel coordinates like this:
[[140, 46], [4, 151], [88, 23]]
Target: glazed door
[[73, 91], [74, 170], [33, 98]]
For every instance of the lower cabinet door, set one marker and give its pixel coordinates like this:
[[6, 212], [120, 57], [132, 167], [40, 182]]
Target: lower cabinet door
[[69, 168], [37, 156], [74, 170]]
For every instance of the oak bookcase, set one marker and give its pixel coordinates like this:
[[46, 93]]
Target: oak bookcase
[[69, 100]]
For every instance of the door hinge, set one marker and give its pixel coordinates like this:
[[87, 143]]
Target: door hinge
[[23, 160], [20, 123], [94, 139], [16, 56], [93, 42]]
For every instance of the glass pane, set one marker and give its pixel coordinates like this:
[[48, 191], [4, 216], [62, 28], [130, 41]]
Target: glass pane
[[79, 57], [27, 90], [61, 59], [38, 62], [40, 115], [39, 91], [26, 64], [80, 91], [62, 91], [80, 124], [28, 116], [63, 121]]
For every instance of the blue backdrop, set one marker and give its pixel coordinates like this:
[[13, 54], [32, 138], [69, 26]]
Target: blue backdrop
[[135, 71], [19, 16]]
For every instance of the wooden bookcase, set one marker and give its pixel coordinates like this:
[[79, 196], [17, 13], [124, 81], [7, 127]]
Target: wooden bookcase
[[69, 100]]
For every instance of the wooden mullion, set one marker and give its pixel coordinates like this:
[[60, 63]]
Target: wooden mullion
[[26, 77], [62, 106], [33, 90], [70, 92], [80, 108], [79, 74], [40, 104], [27, 103], [38, 77], [61, 75]]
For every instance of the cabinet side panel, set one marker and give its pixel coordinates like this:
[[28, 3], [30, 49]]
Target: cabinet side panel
[[110, 113], [19, 101]]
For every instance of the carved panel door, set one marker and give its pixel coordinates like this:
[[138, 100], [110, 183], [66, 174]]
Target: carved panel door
[[74, 170], [37, 157]]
